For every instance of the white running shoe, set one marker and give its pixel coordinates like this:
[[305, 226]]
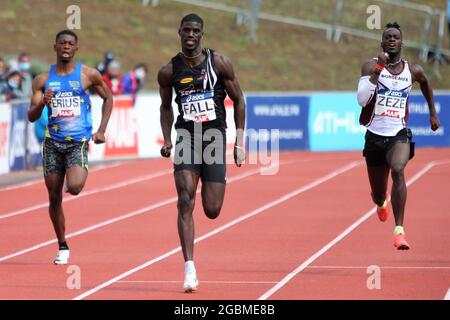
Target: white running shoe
[[190, 282], [62, 257]]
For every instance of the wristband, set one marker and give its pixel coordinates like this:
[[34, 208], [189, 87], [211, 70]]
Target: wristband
[[378, 68], [238, 147]]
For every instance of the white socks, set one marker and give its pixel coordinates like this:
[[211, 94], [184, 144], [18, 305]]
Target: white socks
[[399, 229], [189, 267]]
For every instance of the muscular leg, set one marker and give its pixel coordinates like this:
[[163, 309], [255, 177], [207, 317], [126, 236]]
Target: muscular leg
[[397, 158], [76, 178], [54, 183], [186, 182], [212, 198], [378, 178]]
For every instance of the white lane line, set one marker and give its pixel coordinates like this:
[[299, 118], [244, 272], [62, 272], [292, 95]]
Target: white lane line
[[381, 267], [119, 185], [447, 295], [253, 213], [203, 281], [341, 236], [23, 185], [90, 192], [41, 180], [120, 218]]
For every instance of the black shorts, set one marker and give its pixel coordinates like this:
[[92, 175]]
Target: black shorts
[[59, 156], [204, 153], [376, 146]]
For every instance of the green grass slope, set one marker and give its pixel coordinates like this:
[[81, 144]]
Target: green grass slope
[[284, 58]]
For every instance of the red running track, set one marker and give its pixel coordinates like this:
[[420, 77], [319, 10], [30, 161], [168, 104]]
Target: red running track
[[275, 238]]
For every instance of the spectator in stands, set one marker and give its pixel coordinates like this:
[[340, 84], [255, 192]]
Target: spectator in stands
[[448, 21], [14, 90], [3, 80], [107, 59], [24, 67], [132, 82], [112, 78], [40, 126]]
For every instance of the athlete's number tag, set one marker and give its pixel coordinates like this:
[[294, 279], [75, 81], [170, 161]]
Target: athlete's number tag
[[64, 104], [199, 107], [391, 103]]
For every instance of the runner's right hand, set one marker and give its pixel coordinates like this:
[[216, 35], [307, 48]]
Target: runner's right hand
[[165, 149], [48, 94], [383, 58]]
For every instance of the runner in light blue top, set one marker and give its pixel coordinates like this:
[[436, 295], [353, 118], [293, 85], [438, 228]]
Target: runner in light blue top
[[62, 91], [70, 107]]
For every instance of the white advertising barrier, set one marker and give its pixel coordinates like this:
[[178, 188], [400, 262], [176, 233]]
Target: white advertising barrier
[[5, 119], [121, 133], [136, 131]]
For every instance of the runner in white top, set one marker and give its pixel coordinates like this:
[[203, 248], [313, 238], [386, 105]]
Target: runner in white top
[[390, 112], [383, 92]]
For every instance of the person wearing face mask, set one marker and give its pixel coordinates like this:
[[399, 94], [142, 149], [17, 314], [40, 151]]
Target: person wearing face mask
[[132, 82], [113, 78], [3, 81], [448, 21], [24, 67], [14, 86], [108, 57]]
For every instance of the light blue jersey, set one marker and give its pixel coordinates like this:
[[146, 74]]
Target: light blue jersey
[[69, 113], [448, 10]]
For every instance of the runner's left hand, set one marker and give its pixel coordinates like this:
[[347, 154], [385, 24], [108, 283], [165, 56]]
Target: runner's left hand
[[239, 155], [165, 149], [434, 121], [99, 137]]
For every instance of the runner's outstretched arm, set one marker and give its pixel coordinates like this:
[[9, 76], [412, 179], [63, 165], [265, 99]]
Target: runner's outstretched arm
[[234, 91], [425, 86], [38, 101], [166, 112], [103, 91]]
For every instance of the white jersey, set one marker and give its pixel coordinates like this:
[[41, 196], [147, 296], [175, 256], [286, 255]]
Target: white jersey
[[390, 112]]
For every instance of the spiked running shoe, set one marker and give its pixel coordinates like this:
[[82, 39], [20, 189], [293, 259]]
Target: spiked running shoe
[[62, 257], [190, 282], [383, 211], [400, 241]]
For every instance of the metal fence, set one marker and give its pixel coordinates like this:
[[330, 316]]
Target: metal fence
[[344, 17]]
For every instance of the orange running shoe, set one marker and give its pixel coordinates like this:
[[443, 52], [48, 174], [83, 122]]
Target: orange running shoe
[[383, 211], [400, 241]]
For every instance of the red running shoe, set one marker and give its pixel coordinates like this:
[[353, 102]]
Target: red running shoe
[[400, 242], [383, 211]]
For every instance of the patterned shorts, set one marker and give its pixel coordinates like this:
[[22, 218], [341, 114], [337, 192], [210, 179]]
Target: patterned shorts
[[58, 156]]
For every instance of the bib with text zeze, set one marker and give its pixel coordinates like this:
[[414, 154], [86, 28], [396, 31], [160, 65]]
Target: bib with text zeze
[[64, 104], [391, 103], [199, 107]]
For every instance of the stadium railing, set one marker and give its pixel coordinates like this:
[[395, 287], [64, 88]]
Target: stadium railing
[[428, 51]]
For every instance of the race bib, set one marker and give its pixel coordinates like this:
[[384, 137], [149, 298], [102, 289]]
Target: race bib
[[64, 104], [391, 103], [199, 107]]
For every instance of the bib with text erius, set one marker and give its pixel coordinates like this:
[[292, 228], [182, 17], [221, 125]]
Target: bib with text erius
[[64, 104]]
